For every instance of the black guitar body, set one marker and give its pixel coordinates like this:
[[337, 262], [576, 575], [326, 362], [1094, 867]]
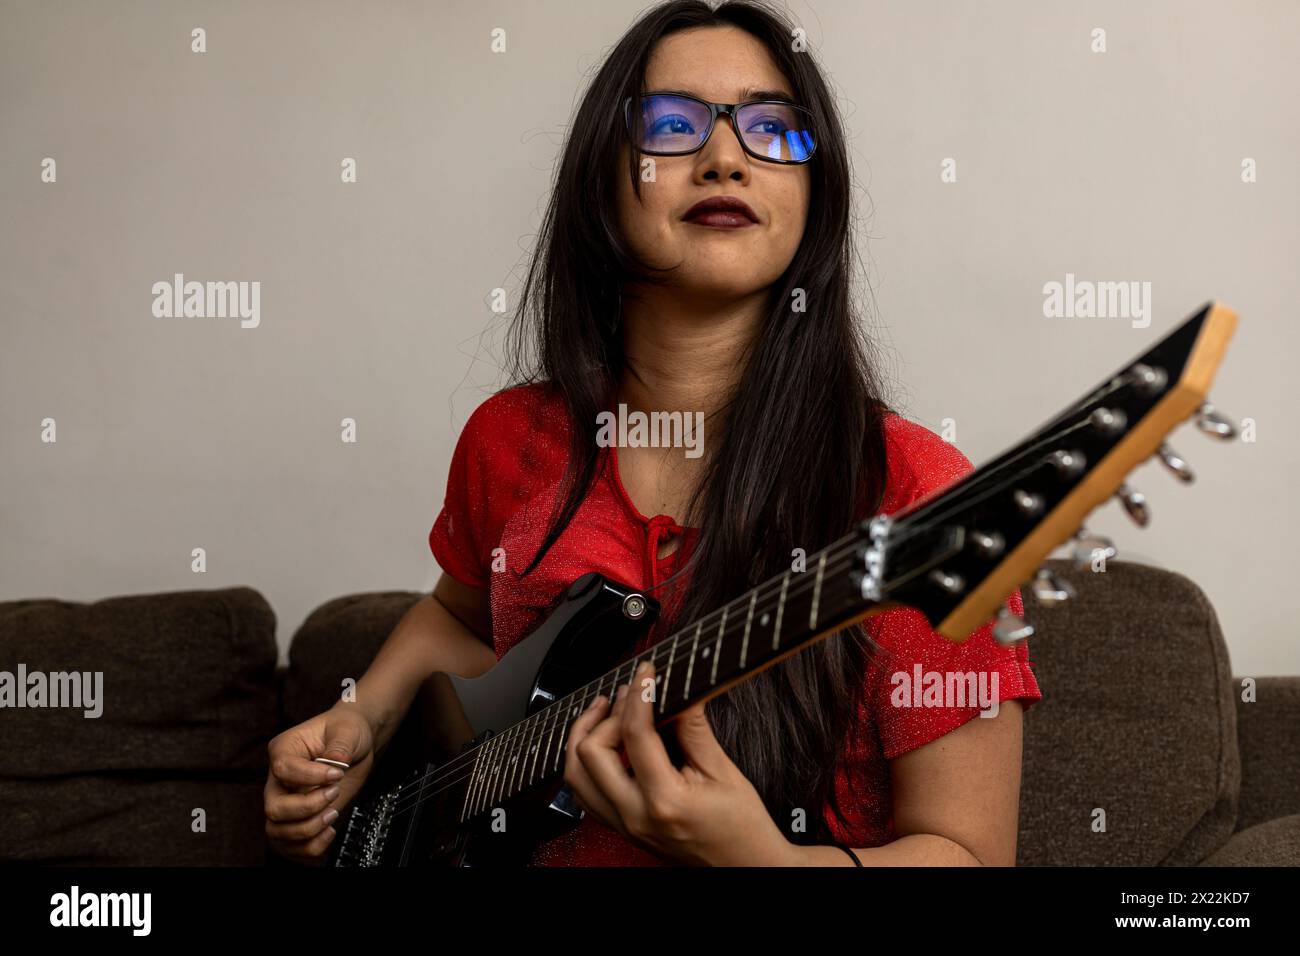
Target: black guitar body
[[592, 629]]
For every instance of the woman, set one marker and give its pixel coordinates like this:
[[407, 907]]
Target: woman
[[741, 313]]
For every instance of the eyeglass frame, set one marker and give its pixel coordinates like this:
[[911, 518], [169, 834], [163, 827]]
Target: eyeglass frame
[[716, 110]]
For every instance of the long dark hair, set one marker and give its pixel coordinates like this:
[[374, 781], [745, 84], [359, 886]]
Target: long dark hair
[[802, 452]]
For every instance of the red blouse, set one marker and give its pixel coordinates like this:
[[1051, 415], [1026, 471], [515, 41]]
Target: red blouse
[[504, 478]]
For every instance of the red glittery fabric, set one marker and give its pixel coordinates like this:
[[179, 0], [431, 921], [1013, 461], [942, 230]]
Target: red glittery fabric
[[503, 481]]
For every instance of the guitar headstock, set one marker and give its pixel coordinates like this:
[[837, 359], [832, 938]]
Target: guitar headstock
[[957, 554]]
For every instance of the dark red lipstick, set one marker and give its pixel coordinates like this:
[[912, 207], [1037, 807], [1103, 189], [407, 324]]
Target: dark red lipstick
[[726, 212]]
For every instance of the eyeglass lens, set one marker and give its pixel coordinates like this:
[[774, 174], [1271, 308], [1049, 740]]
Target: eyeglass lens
[[677, 124]]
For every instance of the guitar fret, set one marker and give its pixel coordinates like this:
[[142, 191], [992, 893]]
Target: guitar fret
[[817, 593], [484, 792], [509, 758], [512, 765], [544, 733], [618, 682], [567, 723], [717, 649], [690, 667], [474, 777], [521, 757], [561, 725], [495, 791], [780, 610], [749, 618], [520, 782], [544, 758], [582, 705], [534, 747], [668, 676], [483, 759]]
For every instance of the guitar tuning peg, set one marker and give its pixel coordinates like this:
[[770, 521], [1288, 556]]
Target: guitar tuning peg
[[952, 583], [1135, 504], [1212, 423], [988, 545], [1068, 464], [1147, 379], [1051, 590], [1176, 464], [1008, 628], [1030, 503], [1088, 547]]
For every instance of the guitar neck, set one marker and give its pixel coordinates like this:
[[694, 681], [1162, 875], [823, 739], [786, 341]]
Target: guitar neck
[[761, 627]]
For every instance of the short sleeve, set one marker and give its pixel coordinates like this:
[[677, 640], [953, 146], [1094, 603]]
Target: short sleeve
[[456, 536], [920, 685]]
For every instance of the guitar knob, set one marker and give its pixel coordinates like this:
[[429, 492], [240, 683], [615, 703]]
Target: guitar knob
[[1008, 628], [1176, 464], [634, 607], [1212, 423], [1050, 590], [1135, 504], [1088, 546]]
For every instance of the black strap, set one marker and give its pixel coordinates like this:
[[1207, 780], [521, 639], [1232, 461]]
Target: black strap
[[852, 855]]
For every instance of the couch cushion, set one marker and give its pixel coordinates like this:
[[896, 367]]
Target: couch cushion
[[338, 640], [1136, 720], [188, 704], [187, 682]]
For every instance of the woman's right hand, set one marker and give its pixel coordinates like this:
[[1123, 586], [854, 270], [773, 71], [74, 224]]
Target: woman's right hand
[[302, 797]]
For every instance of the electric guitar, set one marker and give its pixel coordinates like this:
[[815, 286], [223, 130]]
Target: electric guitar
[[956, 555]]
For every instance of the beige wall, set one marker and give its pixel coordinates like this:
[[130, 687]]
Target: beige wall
[[182, 433]]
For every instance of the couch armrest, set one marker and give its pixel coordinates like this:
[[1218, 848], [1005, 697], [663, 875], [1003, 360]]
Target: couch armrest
[[1275, 843], [1268, 739]]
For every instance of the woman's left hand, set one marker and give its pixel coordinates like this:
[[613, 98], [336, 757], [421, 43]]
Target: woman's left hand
[[705, 814]]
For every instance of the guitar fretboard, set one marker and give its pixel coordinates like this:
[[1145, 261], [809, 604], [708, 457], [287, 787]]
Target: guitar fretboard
[[702, 659]]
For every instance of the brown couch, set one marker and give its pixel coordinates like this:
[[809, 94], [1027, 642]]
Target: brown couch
[[1141, 726]]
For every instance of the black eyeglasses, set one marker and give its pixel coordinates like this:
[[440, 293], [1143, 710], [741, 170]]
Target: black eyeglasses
[[674, 124]]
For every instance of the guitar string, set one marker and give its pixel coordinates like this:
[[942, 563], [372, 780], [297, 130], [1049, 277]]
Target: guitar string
[[907, 525]]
